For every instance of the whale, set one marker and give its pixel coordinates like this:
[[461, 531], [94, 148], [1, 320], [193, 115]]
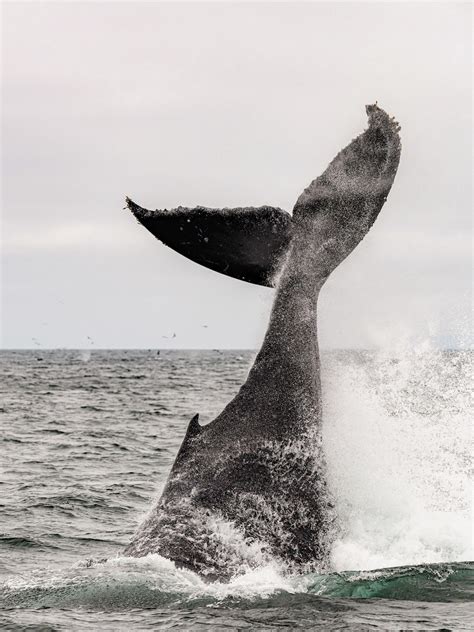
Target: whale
[[251, 486]]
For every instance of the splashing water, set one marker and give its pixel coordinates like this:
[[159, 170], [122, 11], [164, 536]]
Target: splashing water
[[397, 436], [85, 355], [122, 583]]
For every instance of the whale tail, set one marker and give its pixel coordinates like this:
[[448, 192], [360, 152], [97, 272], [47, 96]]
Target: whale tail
[[245, 243], [250, 243], [259, 466], [338, 208]]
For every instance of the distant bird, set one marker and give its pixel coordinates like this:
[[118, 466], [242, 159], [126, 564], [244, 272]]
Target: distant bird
[[173, 336]]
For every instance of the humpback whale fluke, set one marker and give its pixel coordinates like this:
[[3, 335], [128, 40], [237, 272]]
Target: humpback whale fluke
[[251, 484], [245, 243]]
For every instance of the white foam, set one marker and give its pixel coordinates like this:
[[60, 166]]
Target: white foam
[[163, 575], [397, 437], [85, 355]]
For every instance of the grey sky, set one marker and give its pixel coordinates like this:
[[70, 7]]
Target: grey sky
[[224, 105]]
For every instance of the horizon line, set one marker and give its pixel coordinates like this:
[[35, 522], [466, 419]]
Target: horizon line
[[253, 349]]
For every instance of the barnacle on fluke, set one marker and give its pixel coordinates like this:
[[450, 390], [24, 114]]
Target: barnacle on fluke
[[251, 485]]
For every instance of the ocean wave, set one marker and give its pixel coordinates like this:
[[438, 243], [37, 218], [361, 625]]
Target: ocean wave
[[18, 541], [153, 581]]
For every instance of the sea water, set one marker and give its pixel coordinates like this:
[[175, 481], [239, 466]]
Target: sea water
[[88, 438]]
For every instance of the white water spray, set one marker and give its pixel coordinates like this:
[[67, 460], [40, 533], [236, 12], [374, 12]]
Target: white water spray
[[397, 438]]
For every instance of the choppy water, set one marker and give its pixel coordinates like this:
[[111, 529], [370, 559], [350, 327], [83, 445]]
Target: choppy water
[[88, 438]]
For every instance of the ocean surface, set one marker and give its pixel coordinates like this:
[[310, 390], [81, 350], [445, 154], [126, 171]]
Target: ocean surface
[[88, 438]]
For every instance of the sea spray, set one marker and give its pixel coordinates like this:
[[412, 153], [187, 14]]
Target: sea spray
[[397, 440]]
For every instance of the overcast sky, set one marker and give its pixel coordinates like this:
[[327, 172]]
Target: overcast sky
[[223, 105]]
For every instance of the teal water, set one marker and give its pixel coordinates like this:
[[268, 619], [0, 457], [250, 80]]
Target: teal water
[[88, 439]]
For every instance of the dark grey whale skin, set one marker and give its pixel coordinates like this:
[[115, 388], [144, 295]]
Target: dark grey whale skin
[[250, 486], [248, 244]]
